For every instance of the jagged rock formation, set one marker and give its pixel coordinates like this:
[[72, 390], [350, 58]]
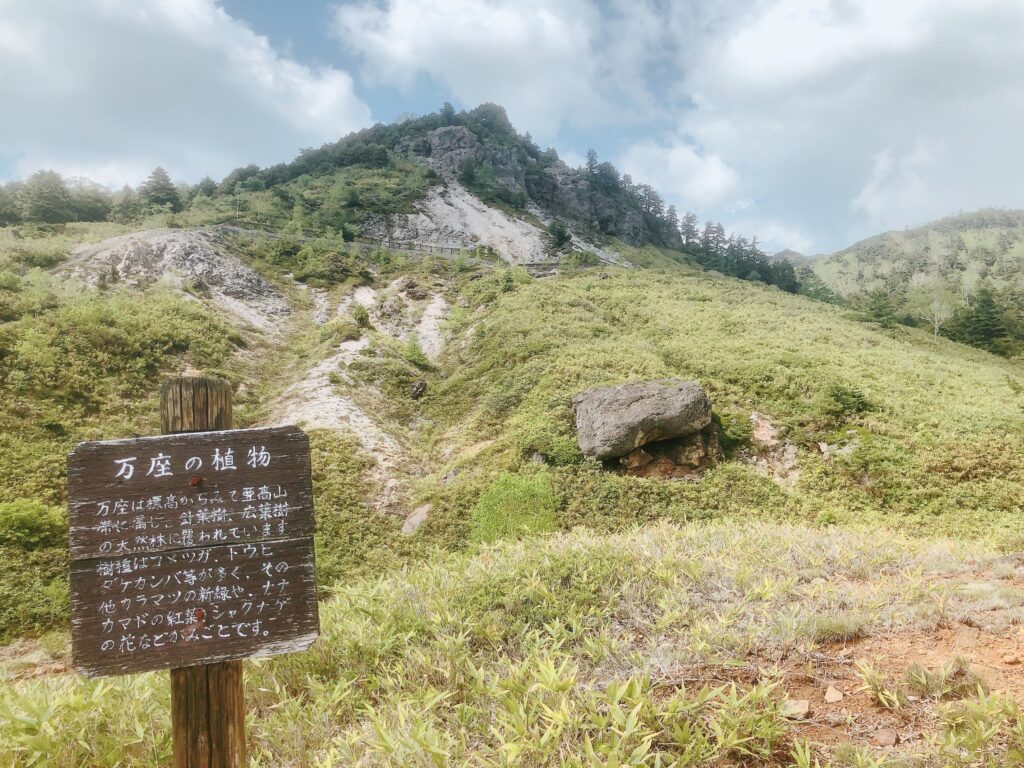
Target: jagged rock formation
[[198, 260], [614, 421]]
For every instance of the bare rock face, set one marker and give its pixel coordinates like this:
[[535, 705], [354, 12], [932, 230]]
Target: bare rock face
[[199, 260], [774, 456], [681, 458], [614, 421]]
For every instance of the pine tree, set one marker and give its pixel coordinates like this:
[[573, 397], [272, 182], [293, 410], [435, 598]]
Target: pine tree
[[45, 197], [983, 326], [206, 186], [880, 309], [158, 191], [126, 208], [688, 229], [591, 162], [9, 210], [447, 114], [672, 218]]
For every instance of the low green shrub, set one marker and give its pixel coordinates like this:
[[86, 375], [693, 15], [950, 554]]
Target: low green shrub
[[31, 525], [514, 505]]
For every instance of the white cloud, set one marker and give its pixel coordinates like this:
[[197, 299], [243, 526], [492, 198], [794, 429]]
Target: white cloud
[[105, 88], [532, 57], [898, 186], [686, 177], [847, 116]]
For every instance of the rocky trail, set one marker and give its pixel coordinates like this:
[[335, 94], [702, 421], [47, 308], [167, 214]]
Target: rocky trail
[[325, 396]]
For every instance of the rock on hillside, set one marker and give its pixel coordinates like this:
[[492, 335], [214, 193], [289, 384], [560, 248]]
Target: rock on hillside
[[613, 421], [200, 259], [556, 188]]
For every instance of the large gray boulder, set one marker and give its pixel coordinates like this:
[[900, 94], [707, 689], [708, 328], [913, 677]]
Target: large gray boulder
[[612, 421]]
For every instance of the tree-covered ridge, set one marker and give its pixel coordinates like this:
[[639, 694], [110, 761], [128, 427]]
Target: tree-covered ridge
[[346, 187], [961, 277]]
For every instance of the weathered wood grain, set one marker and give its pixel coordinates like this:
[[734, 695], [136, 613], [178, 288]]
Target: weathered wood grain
[[179, 491], [193, 606], [191, 551]]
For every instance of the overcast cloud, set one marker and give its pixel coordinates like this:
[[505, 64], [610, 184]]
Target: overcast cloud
[[811, 123]]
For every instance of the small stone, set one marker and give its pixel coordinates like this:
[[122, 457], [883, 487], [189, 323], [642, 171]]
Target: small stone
[[833, 695], [886, 737], [796, 709], [1011, 658], [845, 653], [416, 518], [636, 459]]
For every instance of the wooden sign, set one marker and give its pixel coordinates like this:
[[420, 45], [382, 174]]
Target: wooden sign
[[191, 549]]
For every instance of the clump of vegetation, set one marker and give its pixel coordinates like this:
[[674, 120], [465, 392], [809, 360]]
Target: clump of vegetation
[[513, 506], [957, 277], [31, 525]]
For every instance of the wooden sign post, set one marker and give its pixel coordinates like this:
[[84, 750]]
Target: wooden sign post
[[190, 552]]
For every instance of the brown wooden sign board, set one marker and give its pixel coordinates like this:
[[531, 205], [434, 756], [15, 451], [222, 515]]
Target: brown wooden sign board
[[191, 549]]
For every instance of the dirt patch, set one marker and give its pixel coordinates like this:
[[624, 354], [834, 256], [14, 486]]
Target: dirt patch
[[428, 331], [24, 659]]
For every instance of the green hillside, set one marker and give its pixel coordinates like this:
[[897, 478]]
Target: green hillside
[[938, 273], [924, 436], [923, 439]]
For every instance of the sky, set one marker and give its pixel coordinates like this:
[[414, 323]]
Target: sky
[[809, 123]]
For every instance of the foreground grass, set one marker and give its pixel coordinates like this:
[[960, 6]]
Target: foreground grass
[[574, 650]]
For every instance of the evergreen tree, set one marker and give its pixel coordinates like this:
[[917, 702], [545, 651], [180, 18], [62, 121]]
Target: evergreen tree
[[159, 191], [206, 186], [591, 162], [880, 309], [127, 207], [89, 201], [45, 197], [9, 210], [672, 218], [559, 235], [447, 114], [983, 326], [688, 229]]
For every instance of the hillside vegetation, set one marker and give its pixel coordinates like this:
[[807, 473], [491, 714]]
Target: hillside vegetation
[[491, 596], [923, 437], [962, 276], [662, 646]]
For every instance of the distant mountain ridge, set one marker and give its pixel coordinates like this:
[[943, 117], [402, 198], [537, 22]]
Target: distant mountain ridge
[[961, 275]]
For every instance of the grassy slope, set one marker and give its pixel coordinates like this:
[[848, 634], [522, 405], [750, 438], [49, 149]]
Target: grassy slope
[[576, 650], [935, 453]]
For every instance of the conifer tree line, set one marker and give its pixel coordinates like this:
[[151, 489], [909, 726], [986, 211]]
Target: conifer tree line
[[709, 244], [46, 197]]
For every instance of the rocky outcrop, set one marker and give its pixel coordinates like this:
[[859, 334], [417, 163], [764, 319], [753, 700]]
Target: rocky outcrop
[[554, 188], [452, 145], [614, 421], [684, 458], [198, 261], [773, 455]]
